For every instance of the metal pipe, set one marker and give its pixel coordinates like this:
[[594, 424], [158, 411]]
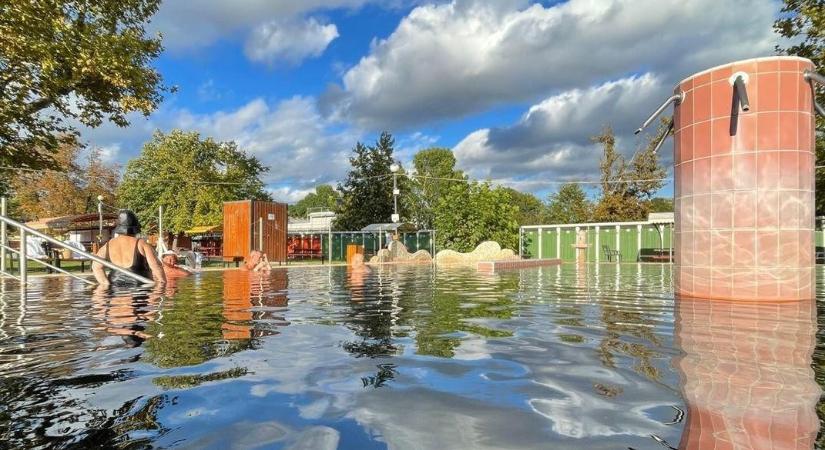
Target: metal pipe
[[676, 98], [61, 244], [52, 266], [261, 234], [161, 240], [664, 137], [24, 260], [99, 219], [810, 75], [742, 93], [819, 110]]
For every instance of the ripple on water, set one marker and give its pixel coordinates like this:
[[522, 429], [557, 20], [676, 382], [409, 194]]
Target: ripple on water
[[398, 357]]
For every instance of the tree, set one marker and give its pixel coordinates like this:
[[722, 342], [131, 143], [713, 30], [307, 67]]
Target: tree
[[627, 187], [531, 210], [74, 190], [367, 191], [434, 172], [569, 205], [471, 213], [68, 61], [324, 198], [803, 22], [660, 204], [191, 178]]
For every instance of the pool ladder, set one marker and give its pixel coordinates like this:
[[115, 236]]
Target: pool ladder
[[25, 231]]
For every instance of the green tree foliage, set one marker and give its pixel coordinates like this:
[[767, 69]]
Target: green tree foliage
[[803, 22], [660, 204], [191, 178], [626, 186], [569, 205], [324, 198], [73, 190], [434, 172], [367, 191], [67, 61], [471, 213], [531, 210]]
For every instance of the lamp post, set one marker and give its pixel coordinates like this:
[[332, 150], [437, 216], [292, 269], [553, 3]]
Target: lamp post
[[100, 219], [395, 217]]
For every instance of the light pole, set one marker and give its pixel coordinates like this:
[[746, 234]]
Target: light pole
[[395, 217], [100, 220]]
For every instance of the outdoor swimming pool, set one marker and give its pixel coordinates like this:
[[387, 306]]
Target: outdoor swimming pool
[[403, 357]]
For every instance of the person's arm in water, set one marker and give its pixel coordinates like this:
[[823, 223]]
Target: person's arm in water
[[154, 263], [97, 268]]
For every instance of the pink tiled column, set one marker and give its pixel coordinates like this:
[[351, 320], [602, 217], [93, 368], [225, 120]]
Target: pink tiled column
[[744, 184], [746, 374]]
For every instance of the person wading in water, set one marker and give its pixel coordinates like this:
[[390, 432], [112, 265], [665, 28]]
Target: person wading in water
[[128, 252]]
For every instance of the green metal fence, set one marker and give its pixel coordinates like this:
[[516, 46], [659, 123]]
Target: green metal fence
[[372, 242], [629, 238]]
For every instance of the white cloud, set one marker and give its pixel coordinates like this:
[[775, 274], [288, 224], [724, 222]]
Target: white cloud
[[301, 148], [450, 60], [289, 41], [551, 142]]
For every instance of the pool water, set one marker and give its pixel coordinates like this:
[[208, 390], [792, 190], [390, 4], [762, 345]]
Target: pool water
[[589, 357]]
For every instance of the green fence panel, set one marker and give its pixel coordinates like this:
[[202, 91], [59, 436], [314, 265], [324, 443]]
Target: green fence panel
[[651, 238], [628, 243], [409, 241], [530, 243], [425, 241], [548, 243], [591, 245], [607, 237], [325, 247], [567, 241], [820, 238]]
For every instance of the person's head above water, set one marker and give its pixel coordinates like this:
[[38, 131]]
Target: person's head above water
[[169, 258], [127, 223]]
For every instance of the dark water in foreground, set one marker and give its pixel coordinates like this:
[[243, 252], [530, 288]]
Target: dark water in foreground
[[405, 358]]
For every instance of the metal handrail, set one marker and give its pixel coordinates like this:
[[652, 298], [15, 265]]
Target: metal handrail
[[23, 257], [49, 265]]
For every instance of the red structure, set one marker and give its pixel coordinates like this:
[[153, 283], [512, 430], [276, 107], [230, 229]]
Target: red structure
[[746, 374], [300, 246], [744, 189]]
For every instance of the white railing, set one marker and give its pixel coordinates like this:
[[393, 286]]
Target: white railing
[[25, 231]]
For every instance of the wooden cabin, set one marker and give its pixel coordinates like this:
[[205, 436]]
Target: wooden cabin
[[254, 225]]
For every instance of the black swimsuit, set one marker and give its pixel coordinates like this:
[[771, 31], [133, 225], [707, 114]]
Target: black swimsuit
[[140, 266]]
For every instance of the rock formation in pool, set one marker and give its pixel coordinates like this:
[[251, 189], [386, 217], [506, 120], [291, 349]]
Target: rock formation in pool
[[486, 251], [397, 252]]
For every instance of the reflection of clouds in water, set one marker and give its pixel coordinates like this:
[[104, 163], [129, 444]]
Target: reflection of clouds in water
[[251, 435]]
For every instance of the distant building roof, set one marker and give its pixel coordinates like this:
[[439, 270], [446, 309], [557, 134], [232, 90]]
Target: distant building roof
[[662, 217], [317, 222], [203, 229], [400, 227]]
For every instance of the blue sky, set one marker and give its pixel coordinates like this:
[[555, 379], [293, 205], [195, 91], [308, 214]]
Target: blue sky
[[515, 88]]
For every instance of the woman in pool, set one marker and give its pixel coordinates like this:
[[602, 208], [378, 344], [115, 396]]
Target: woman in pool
[[127, 251]]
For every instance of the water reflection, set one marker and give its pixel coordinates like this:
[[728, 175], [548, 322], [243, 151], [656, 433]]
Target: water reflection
[[397, 357], [747, 376]]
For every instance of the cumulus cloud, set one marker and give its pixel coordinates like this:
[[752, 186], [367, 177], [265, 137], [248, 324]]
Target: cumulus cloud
[[289, 41], [551, 142], [196, 24], [301, 148], [449, 60]]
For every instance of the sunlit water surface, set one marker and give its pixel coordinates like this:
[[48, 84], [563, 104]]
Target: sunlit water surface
[[404, 358]]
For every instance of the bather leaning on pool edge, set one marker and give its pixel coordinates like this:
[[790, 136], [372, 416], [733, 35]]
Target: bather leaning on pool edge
[[129, 252]]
